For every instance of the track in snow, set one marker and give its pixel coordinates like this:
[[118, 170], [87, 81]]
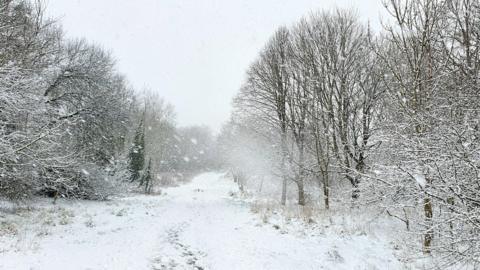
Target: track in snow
[[196, 226]]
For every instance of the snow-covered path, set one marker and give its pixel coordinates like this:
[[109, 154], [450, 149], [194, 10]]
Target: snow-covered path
[[195, 226]]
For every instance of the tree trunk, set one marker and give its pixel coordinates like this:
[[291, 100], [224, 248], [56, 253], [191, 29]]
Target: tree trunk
[[326, 190], [428, 237], [301, 192], [284, 176], [284, 191], [360, 168], [301, 175]]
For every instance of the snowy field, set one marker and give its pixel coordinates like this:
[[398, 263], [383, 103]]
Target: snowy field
[[199, 225]]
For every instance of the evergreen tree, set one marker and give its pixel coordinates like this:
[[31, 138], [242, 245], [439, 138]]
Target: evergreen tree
[[136, 157]]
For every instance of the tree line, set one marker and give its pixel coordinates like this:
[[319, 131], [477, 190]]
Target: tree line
[[386, 118], [71, 125]]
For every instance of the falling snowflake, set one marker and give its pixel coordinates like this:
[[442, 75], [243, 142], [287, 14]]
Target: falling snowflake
[[421, 181]]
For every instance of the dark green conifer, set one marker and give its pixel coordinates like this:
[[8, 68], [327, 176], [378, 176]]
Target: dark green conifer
[[136, 156]]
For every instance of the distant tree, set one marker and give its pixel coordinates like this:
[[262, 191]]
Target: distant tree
[[159, 132], [195, 149]]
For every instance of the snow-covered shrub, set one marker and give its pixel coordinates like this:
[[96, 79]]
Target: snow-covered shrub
[[85, 182]]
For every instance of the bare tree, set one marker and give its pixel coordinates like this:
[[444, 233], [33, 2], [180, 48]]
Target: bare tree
[[267, 89], [346, 91]]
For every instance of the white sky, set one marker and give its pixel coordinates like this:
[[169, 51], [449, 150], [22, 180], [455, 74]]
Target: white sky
[[194, 53]]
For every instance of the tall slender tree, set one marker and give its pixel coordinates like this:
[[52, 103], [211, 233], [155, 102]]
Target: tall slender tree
[[136, 156]]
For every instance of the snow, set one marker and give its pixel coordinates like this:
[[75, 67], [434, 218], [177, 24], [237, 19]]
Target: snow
[[85, 172], [421, 181], [199, 225]]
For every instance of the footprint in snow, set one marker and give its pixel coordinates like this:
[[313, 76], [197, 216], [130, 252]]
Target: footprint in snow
[[182, 255]]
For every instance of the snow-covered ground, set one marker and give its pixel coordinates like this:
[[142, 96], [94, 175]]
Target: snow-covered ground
[[195, 226]]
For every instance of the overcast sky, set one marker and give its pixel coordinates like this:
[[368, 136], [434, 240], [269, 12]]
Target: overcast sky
[[194, 53]]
